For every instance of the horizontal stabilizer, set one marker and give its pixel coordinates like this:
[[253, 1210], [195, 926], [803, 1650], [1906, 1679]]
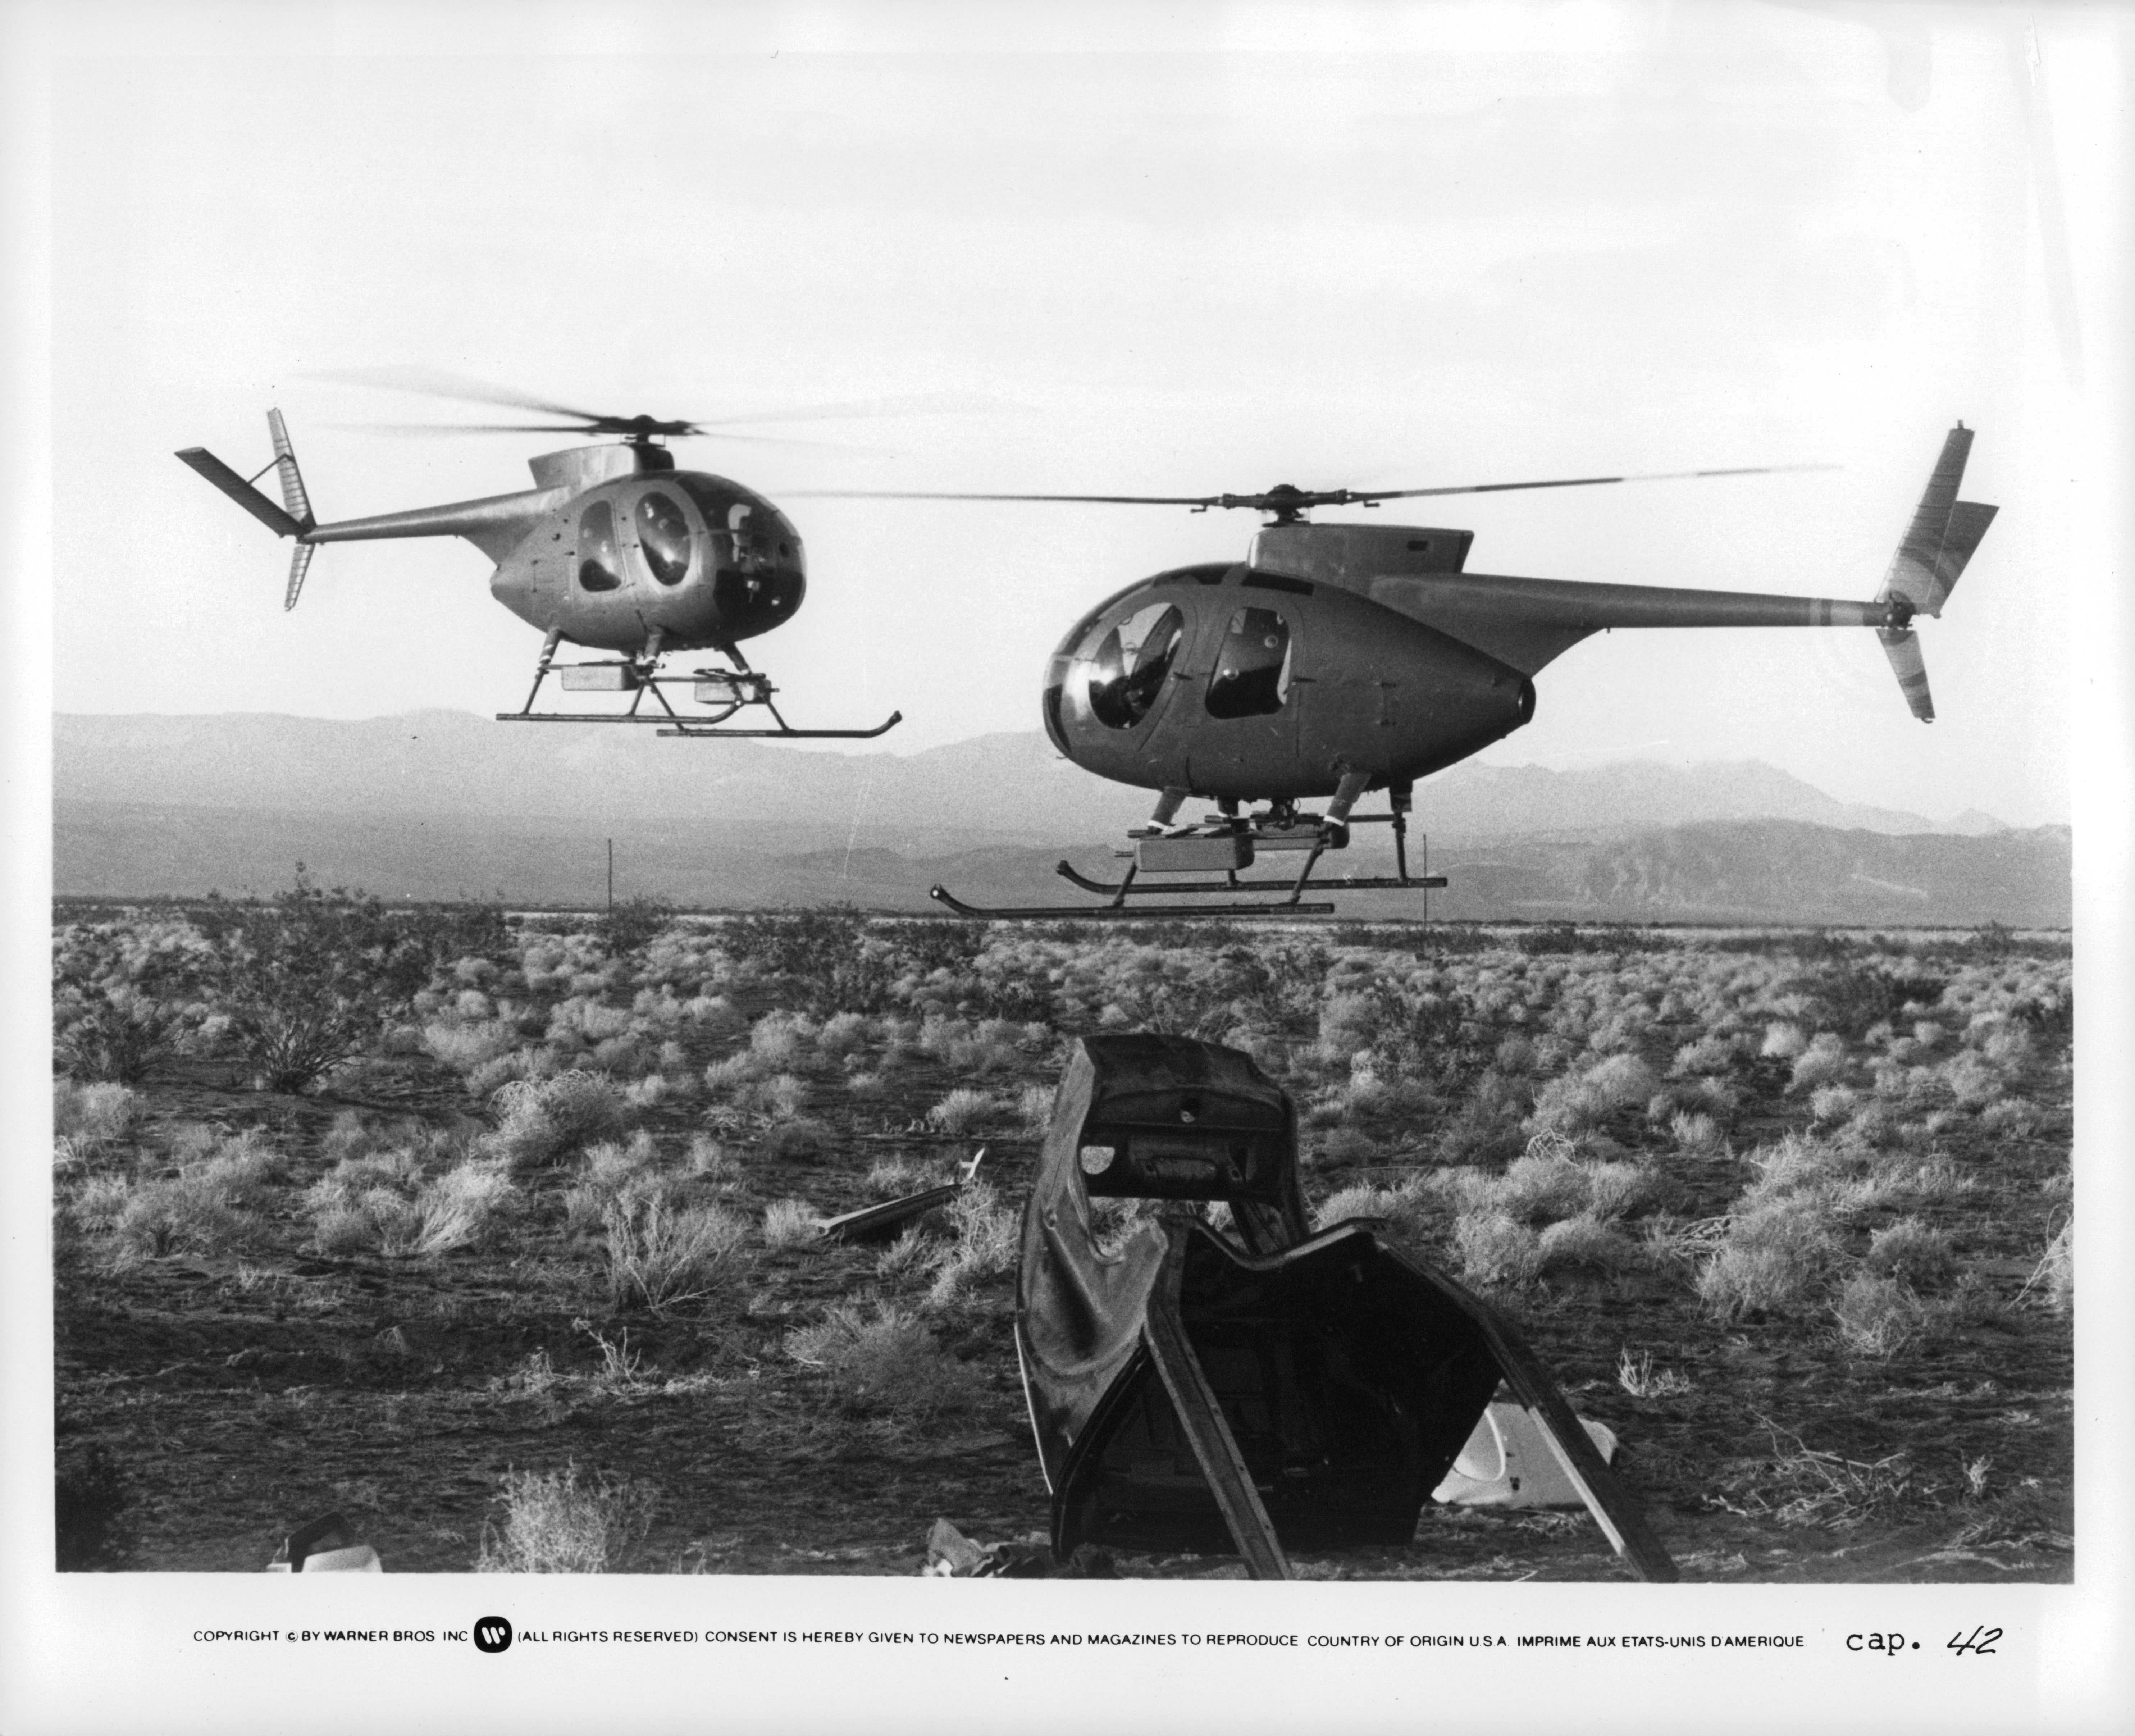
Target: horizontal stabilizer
[[1944, 533], [200, 459], [1902, 646]]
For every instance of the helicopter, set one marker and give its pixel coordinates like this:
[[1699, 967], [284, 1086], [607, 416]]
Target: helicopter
[[613, 549], [1341, 658]]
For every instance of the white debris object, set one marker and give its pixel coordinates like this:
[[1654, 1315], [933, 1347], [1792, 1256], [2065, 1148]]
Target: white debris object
[[1508, 1462]]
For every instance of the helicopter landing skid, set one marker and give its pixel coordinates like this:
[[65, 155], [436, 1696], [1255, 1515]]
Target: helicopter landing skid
[[1226, 846], [729, 690], [1348, 883], [1119, 912]]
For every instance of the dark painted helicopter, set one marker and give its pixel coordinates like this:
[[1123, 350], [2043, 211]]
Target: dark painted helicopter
[[1340, 658], [613, 549]]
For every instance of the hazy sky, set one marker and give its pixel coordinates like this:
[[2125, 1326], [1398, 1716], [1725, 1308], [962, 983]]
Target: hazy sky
[[1492, 244]]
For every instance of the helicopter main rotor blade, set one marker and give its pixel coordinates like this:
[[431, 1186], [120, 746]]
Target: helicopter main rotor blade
[[435, 383], [582, 431], [1581, 481], [921, 404], [1286, 499], [1100, 500]]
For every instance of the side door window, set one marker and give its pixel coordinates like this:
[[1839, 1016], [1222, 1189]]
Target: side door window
[[663, 534], [598, 568], [1252, 676]]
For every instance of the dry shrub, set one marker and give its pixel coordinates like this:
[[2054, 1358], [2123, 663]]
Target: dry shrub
[[381, 1201], [465, 1048], [175, 1215], [1641, 1379], [552, 1525], [1575, 1104], [1831, 1104], [1799, 1486], [987, 1243], [732, 1073], [2052, 1279], [2008, 1117], [959, 1112], [708, 1159], [910, 1254], [542, 1119], [841, 1034], [613, 1174], [1877, 1315], [1972, 1081], [791, 1224], [1937, 1181], [1616, 1190], [93, 1116], [800, 1141], [780, 1097], [1543, 1184], [1783, 1041], [658, 1257], [1775, 1255], [1910, 1250], [890, 1364], [1797, 1161], [463, 1208], [582, 1106], [1821, 1064], [892, 1178], [1699, 1135], [1497, 1250], [208, 1206], [1707, 1055], [1411, 1210], [1585, 1242]]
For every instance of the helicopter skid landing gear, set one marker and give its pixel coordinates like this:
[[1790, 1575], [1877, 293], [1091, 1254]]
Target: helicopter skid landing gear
[[1224, 846], [727, 690]]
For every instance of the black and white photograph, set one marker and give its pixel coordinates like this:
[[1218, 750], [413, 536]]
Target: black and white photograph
[[989, 847]]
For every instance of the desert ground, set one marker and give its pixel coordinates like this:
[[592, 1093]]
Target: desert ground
[[498, 1233]]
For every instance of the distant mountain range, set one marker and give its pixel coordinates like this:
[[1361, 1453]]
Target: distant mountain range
[[443, 804]]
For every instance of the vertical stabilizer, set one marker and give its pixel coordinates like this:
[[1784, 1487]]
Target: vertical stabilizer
[[293, 496]]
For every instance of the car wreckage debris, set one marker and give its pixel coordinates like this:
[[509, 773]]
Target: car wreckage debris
[[952, 1555], [1282, 1389], [301, 1550]]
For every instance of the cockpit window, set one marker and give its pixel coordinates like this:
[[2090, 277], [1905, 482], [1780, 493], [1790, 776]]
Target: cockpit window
[[597, 565], [1126, 674], [1252, 669], [663, 533]]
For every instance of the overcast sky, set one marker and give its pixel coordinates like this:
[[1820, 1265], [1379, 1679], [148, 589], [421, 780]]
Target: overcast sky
[[1502, 243]]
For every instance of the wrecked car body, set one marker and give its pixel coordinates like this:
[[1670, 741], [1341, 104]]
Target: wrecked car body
[[1269, 1390]]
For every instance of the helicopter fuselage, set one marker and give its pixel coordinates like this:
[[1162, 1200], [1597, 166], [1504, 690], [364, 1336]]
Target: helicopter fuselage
[[1340, 649], [1238, 683], [617, 544]]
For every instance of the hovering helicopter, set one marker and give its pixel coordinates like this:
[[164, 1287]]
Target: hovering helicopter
[[1340, 658], [613, 549]]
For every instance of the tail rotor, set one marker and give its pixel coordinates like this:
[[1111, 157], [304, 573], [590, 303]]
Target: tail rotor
[[1931, 558], [293, 518]]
